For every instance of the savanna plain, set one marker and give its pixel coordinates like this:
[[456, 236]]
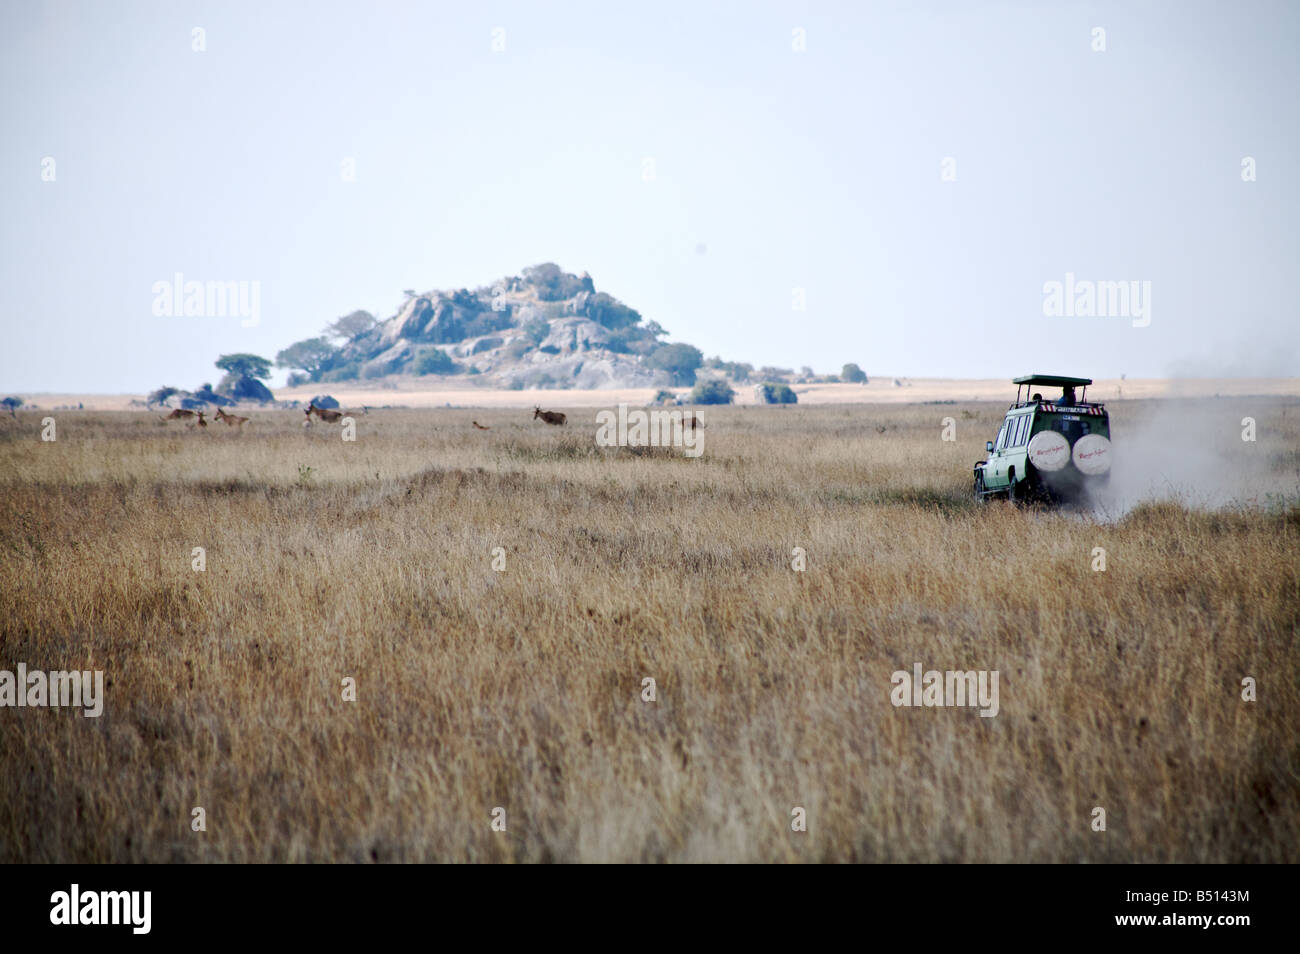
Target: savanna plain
[[521, 685]]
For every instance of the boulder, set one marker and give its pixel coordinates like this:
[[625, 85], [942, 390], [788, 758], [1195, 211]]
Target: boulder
[[250, 389]]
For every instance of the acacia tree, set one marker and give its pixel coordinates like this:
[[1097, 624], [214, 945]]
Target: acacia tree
[[679, 360], [243, 372], [309, 355], [350, 326], [245, 365], [159, 396]]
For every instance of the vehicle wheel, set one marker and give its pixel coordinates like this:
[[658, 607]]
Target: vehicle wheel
[[980, 494], [1033, 488]]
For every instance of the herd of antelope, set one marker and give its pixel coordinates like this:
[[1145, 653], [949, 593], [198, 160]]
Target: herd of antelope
[[231, 420], [330, 416]]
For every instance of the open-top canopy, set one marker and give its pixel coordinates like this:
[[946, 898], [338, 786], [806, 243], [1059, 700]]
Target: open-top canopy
[[1053, 381]]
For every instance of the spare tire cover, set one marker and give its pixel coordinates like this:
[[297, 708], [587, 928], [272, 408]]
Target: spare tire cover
[[1092, 454], [1049, 451]]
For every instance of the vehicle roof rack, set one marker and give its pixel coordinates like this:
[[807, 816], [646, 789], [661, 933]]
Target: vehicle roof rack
[[1052, 381]]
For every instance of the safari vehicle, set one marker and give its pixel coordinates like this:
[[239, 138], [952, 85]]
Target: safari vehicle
[[1051, 449]]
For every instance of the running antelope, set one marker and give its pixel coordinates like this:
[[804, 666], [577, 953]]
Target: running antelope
[[692, 421], [480, 426], [179, 414], [202, 423], [550, 417], [324, 413], [231, 420]]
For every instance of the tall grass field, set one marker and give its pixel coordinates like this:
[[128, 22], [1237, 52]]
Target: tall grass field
[[441, 643]]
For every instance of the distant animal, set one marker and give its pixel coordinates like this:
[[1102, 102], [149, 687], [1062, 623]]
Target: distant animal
[[692, 421], [202, 423], [325, 414], [550, 417], [179, 414], [480, 426], [231, 420]]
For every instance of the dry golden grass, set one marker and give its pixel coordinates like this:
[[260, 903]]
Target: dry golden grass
[[522, 688]]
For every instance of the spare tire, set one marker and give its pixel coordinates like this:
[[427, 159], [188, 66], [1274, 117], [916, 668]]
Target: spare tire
[[1092, 454], [1049, 451]]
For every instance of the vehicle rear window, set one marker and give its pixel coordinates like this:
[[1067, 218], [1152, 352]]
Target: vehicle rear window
[[1072, 429]]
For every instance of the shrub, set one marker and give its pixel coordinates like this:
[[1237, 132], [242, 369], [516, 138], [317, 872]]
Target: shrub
[[537, 329], [434, 361], [346, 372], [712, 392], [738, 371], [609, 312], [774, 393], [552, 282], [631, 340], [209, 396], [853, 374]]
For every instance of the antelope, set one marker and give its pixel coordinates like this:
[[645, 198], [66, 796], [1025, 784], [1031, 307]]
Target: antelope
[[179, 414], [692, 421], [550, 417], [231, 420], [480, 426], [202, 423], [325, 414]]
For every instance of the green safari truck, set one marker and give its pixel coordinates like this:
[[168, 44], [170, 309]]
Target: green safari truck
[[1052, 448]]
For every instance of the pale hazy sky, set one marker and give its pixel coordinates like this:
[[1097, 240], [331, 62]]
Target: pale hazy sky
[[774, 170]]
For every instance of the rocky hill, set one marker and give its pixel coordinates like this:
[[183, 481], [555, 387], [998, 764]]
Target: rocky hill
[[544, 328]]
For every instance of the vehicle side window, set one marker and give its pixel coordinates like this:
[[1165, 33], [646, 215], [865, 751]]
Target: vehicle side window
[[1001, 442], [1022, 434]]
